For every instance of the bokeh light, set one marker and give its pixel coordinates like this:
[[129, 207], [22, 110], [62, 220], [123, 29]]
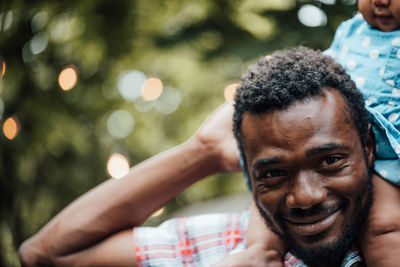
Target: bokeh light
[[7, 19], [39, 21], [120, 123], [3, 68], [11, 127], [142, 105], [169, 100], [312, 16], [39, 43], [1, 108], [130, 84], [117, 166], [27, 55], [152, 89], [328, 2], [258, 25], [230, 91], [158, 212], [349, 2], [68, 78]]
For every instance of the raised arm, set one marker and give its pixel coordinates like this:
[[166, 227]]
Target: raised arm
[[94, 229]]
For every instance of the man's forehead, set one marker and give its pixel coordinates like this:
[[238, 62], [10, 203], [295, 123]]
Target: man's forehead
[[327, 113]]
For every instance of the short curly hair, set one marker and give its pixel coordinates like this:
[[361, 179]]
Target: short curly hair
[[287, 76]]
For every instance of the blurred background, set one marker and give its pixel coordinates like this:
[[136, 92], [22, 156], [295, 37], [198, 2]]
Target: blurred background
[[89, 88]]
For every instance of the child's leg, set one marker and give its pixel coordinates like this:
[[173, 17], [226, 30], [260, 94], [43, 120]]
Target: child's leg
[[259, 233], [380, 242]]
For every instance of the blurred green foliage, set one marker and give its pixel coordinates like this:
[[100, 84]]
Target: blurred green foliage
[[196, 46]]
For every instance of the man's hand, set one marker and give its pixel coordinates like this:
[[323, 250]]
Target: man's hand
[[255, 255], [216, 135]]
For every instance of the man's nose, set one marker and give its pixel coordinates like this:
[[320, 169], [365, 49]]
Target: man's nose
[[306, 191], [381, 2]]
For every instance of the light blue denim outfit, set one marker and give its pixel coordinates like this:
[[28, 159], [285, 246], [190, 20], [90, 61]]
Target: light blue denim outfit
[[372, 58]]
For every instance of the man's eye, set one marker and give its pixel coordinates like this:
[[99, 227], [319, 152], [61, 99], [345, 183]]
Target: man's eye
[[329, 160], [273, 173], [271, 178]]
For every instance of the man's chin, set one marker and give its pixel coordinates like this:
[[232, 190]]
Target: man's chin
[[322, 253], [317, 251], [320, 250], [313, 250]]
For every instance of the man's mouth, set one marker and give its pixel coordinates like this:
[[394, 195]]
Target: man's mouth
[[312, 225]]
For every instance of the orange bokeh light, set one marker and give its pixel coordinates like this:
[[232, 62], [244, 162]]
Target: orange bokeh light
[[3, 68], [152, 89], [230, 91], [68, 78], [11, 127], [158, 212]]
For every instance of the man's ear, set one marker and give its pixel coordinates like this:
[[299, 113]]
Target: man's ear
[[370, 146]]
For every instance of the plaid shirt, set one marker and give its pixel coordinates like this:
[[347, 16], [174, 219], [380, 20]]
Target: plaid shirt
[[202, 240]]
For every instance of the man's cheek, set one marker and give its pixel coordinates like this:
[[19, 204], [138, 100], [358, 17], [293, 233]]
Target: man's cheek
[[270, 205], [351, 185]]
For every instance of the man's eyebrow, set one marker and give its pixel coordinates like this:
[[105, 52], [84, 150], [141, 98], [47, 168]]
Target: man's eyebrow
[[325, 148], [265, 161]]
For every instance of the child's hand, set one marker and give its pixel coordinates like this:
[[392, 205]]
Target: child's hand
[[255, 255]]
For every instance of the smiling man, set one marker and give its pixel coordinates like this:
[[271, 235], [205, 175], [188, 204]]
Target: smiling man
[[307, 151], [303, 134], [310, 175]]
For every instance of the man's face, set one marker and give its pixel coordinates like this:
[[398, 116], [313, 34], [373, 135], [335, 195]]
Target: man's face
[[381, 14], [309, 174]]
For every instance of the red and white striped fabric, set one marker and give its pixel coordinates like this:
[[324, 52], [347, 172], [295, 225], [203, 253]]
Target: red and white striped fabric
[[201, 240]]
